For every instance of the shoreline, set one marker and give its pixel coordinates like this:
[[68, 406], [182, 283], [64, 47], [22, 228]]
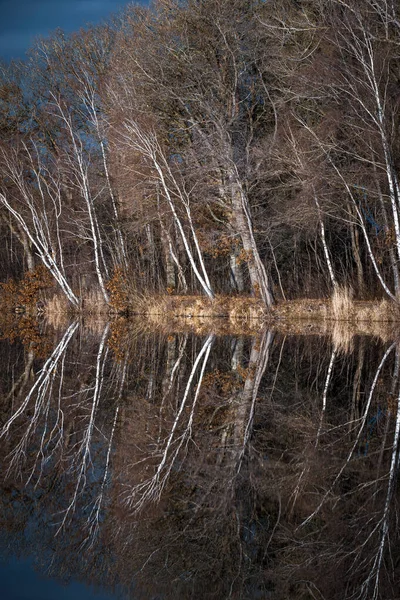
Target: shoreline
[[227, 314], [339, 308]]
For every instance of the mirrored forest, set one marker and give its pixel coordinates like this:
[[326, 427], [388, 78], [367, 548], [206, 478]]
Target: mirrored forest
[[183, 466], [213, 147], [217, 148]]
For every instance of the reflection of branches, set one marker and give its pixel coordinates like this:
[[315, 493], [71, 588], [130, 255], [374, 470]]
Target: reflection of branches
[[325, 393], [49, 397], [43, 381], [151, 489], [20, 385], [259, 358], [83, 454], [56, 434], [171, 372], [94, 517], [383, 523], [363, 420], [240, 504]]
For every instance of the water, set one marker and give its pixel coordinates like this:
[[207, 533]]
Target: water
[[172, 465]]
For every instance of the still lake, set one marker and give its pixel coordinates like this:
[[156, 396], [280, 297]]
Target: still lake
[[169, 465]]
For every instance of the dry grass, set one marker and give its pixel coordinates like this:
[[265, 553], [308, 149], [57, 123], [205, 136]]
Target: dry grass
[[225, 315], [344, 308], [383, 311], [57, 310], [93, 302], [57, 304], [342, 305], [93, 312], [187, 307], [340, 317]]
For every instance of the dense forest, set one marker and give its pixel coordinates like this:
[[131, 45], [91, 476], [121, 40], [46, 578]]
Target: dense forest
[[208, 147]]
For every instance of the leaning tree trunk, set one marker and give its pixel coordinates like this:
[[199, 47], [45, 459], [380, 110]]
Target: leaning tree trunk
[[260, 284]]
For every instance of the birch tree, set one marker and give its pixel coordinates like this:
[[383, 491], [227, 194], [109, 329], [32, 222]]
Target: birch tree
[[35, 203]]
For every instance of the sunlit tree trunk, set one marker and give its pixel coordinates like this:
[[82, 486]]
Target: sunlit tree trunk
[[259, 279], [147, 144], [80, 178]]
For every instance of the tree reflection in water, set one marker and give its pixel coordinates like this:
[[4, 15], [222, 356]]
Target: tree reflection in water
[[204, 467]]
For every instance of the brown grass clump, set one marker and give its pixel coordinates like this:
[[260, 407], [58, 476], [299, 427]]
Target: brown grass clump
[[93, 302], [303, 309], [153, 307], [342, 304], [57, 304], [239, 308], [344, 308], [198, 314], [234, 308], [57, 311], [384, 311]]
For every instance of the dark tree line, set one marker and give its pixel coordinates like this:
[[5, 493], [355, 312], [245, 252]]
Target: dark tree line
[[214, 146]]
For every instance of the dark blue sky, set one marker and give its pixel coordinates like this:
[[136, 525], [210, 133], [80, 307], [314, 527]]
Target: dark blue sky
[[23, 20]]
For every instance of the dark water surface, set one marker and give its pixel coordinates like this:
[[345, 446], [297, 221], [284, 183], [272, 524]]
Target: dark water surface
[[152, 466]]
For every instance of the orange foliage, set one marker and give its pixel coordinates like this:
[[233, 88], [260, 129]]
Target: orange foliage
[[9, 294], [245, 256], [34, 281], [224, 246], [118, 289], [26, 292], [225, 383]]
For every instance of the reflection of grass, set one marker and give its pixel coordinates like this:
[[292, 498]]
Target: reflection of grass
[[342, 333], [342, 337]]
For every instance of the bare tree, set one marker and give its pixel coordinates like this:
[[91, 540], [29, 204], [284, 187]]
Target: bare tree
[[37, 208]]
